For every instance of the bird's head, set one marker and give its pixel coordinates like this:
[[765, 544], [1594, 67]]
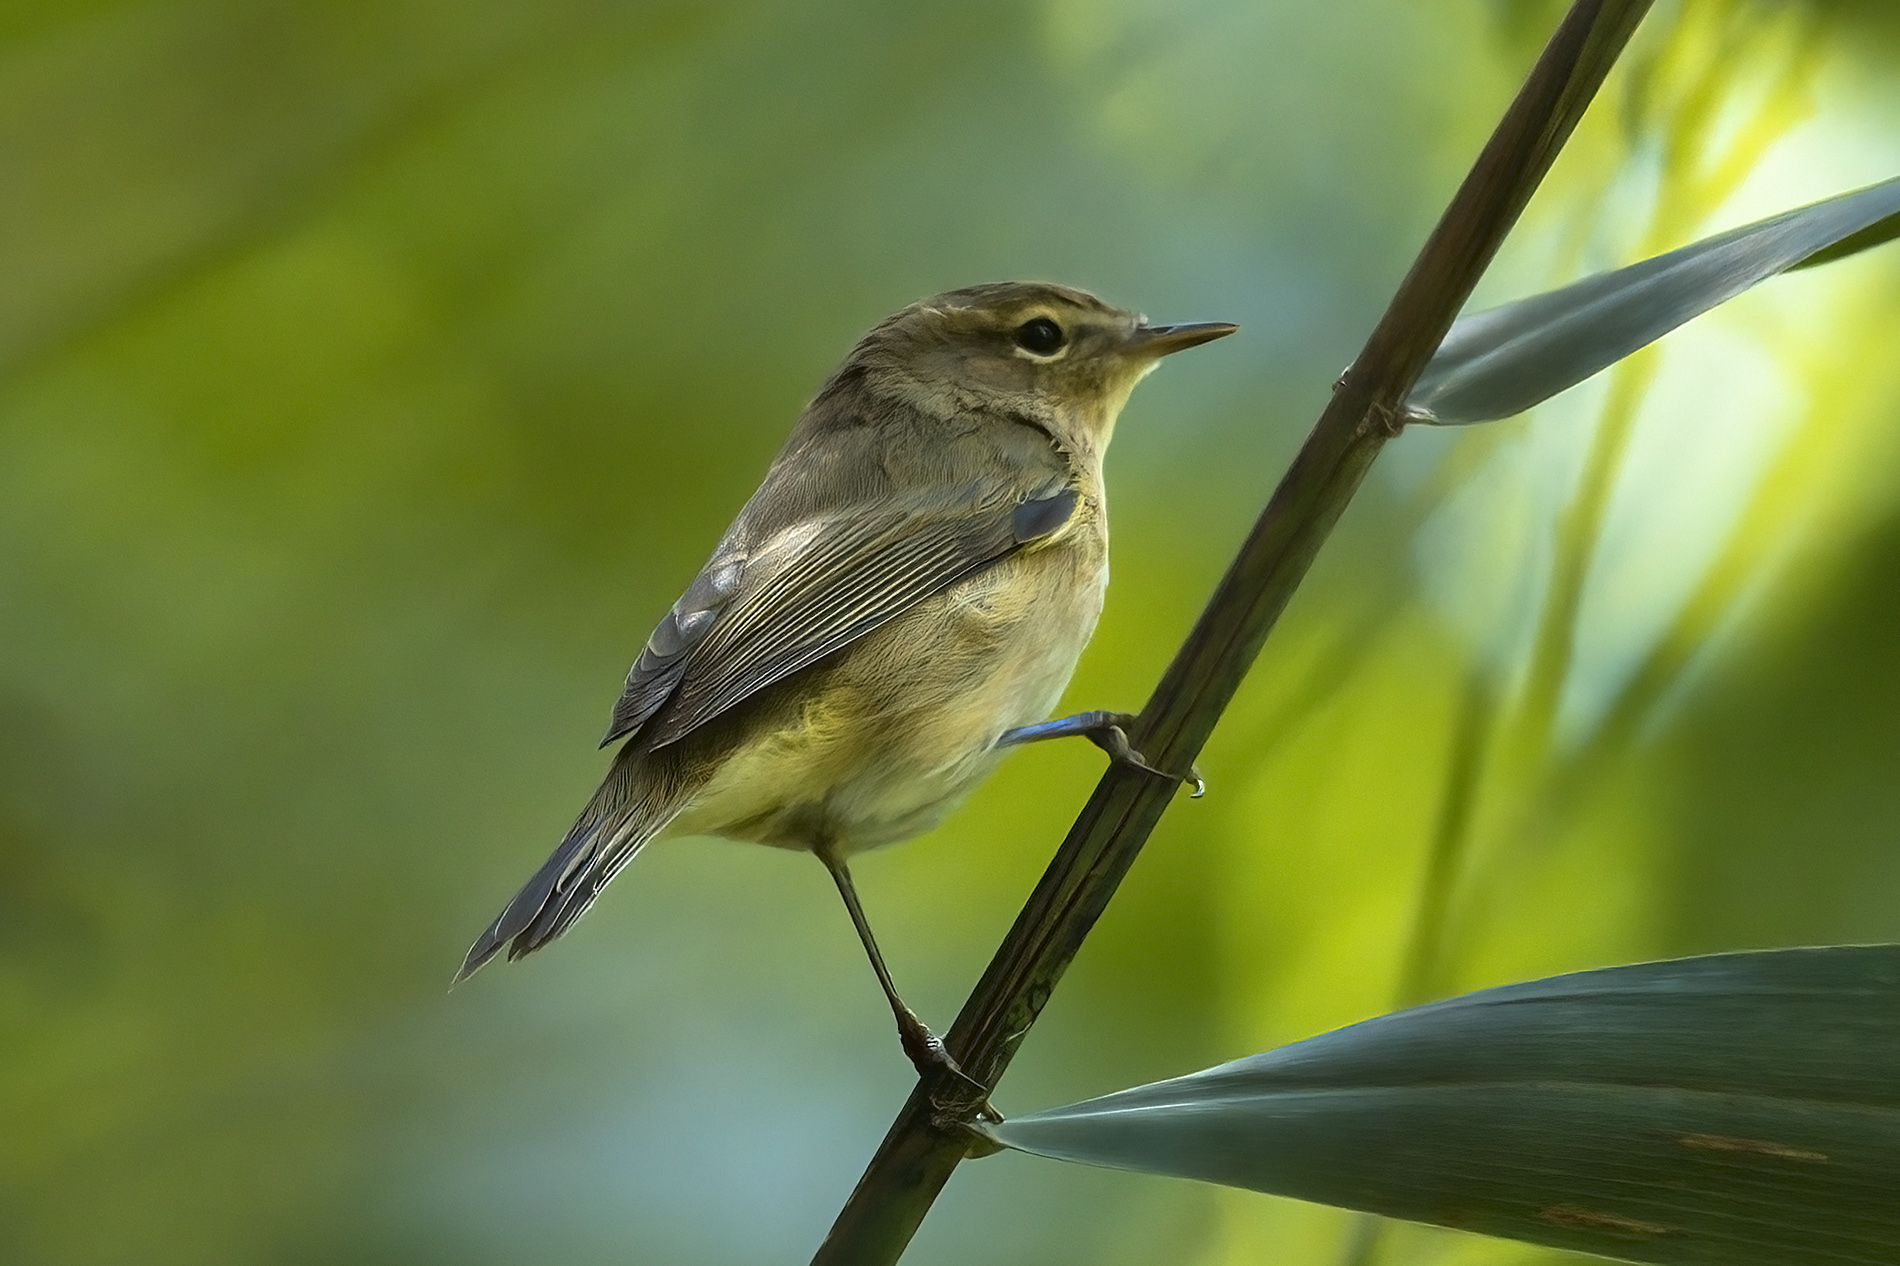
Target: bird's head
[[1046, 354]]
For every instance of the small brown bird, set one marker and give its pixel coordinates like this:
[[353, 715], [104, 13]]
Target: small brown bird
[[905, 595]]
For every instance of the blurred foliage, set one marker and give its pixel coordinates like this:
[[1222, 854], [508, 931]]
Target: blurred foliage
[[372, 375]]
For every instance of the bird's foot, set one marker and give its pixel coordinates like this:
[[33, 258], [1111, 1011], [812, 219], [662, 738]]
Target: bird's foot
[[957, 1097], [1112, 737], [1108, 731]]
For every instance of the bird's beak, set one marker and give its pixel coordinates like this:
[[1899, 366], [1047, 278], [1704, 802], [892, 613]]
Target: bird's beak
[[1157, 341]]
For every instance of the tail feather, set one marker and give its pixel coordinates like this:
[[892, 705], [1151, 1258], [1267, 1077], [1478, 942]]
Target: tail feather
[[576, 892], [635, 802]]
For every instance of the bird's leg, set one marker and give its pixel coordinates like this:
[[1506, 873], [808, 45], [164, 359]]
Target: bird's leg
[[924, 1048], [1108, 731]]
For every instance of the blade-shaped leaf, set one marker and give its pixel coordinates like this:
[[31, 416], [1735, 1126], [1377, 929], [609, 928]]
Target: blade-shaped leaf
[[1878, 233], [1504, 360], [1740, 1108]]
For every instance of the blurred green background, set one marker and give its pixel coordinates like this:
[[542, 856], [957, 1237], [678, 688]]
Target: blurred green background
[[372, 376]]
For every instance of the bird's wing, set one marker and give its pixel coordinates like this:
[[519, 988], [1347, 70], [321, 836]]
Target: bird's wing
[[754, 617]]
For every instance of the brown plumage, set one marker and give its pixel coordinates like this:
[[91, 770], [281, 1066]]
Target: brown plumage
[[914, 580]]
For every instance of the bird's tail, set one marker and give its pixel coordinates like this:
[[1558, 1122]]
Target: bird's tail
[[640, 795]]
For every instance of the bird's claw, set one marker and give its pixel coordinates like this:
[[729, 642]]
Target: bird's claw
[[1108, 731], [934, 1064], [1113, 739]]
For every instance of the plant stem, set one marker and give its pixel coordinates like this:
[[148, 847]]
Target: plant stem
[[925, 1143], [1577, 533], [1428, 956]]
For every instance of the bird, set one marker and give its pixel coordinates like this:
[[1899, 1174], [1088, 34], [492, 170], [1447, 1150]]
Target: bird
[[903, 599]]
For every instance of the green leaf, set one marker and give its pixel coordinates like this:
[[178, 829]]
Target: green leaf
[[1504, 360], [1878, 233], [1740, 1108]]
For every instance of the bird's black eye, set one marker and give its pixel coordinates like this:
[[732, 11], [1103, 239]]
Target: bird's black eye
[[1041, 336]]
